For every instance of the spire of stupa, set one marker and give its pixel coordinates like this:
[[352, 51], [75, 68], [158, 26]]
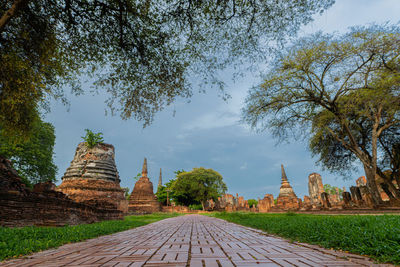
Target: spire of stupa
[[144, 169], [286, 189], [284, 177], [160, 179]]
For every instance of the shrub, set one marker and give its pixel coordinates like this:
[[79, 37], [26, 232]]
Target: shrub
[[92, 139]]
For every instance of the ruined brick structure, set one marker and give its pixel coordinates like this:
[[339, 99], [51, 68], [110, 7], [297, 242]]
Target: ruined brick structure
[[265, 204], [20, 206], [325, 200], [315, 188], [307, 205], [142, 199], [287, 199], [93, 179]]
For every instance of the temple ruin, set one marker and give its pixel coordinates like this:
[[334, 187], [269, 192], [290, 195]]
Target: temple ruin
[[142, 199], [315, 188], [287, 199], [93, 179]]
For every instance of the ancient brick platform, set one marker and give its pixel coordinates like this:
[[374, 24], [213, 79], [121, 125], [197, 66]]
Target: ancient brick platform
[[191, 240]]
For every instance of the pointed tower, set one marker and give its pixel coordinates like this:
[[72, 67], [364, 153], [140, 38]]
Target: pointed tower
[[160, 179], [287, 199], [142, 199], [144, 168]]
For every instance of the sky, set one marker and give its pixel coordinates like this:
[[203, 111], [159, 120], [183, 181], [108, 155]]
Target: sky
[[207, 131]]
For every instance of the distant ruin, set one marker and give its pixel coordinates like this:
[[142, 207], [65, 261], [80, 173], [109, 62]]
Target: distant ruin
[[142, 199], [287, 199]]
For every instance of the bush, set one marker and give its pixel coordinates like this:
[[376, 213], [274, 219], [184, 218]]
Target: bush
[[92, 139], [195, 207]]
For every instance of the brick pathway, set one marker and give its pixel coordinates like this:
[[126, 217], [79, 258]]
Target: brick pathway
[[191, 240]]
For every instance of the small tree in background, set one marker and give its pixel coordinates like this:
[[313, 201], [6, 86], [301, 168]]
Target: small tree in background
[[198, 186], [252, 202], [92, 139], [333, 190]]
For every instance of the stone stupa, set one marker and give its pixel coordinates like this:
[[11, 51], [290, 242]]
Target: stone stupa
[[142, 199], [287, 199], [93, 179]]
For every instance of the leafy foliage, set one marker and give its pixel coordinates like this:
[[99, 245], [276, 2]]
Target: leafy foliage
[[33, 159], [137, 177], [332, 190], [375, 236], [16, 242], [92, 139], [163, 195], [198, 186], [341, 92], [252, 202], [141, 52]]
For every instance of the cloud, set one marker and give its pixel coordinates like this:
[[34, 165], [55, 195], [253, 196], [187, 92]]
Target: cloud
[[244, 166]]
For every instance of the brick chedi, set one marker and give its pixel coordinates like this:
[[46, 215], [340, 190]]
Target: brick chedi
[[142, 199], [287, 199], [93, 179]]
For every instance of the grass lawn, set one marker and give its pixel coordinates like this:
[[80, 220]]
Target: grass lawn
[[15, 242], [377, 237]]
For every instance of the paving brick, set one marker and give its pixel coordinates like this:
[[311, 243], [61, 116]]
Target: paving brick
[[191, 240]]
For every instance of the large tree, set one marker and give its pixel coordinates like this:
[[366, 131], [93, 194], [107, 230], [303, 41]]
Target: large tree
[[33, 159], [321, 86], [142, 52], [198, 186]]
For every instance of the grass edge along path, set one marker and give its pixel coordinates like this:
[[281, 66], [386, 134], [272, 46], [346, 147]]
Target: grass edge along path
[[377, 237], [16, 242]]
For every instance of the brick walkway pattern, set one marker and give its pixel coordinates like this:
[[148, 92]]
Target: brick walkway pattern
[[191, 240]]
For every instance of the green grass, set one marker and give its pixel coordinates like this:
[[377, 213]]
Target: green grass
[[16, 242], [375, 236]]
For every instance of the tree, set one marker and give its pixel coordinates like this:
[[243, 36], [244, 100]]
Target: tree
[[33, 159], [332, 153], [165, 192], [324, 85], [252, 202], [142, 52], [198, 186], [332, 190]]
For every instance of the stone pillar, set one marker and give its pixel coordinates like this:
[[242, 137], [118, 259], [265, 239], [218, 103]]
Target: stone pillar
[[346, 199], [366, 196], [356, 195], [325, 200]]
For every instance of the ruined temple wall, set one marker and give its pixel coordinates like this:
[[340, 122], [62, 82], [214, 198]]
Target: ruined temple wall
[[41, 210], [20, 206]]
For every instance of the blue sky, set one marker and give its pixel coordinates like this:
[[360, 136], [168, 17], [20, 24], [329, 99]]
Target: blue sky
[[206, 132]]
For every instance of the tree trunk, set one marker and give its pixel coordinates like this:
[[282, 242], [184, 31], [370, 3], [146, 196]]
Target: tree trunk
[[371, 184], [9, 14], [202, 204]]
